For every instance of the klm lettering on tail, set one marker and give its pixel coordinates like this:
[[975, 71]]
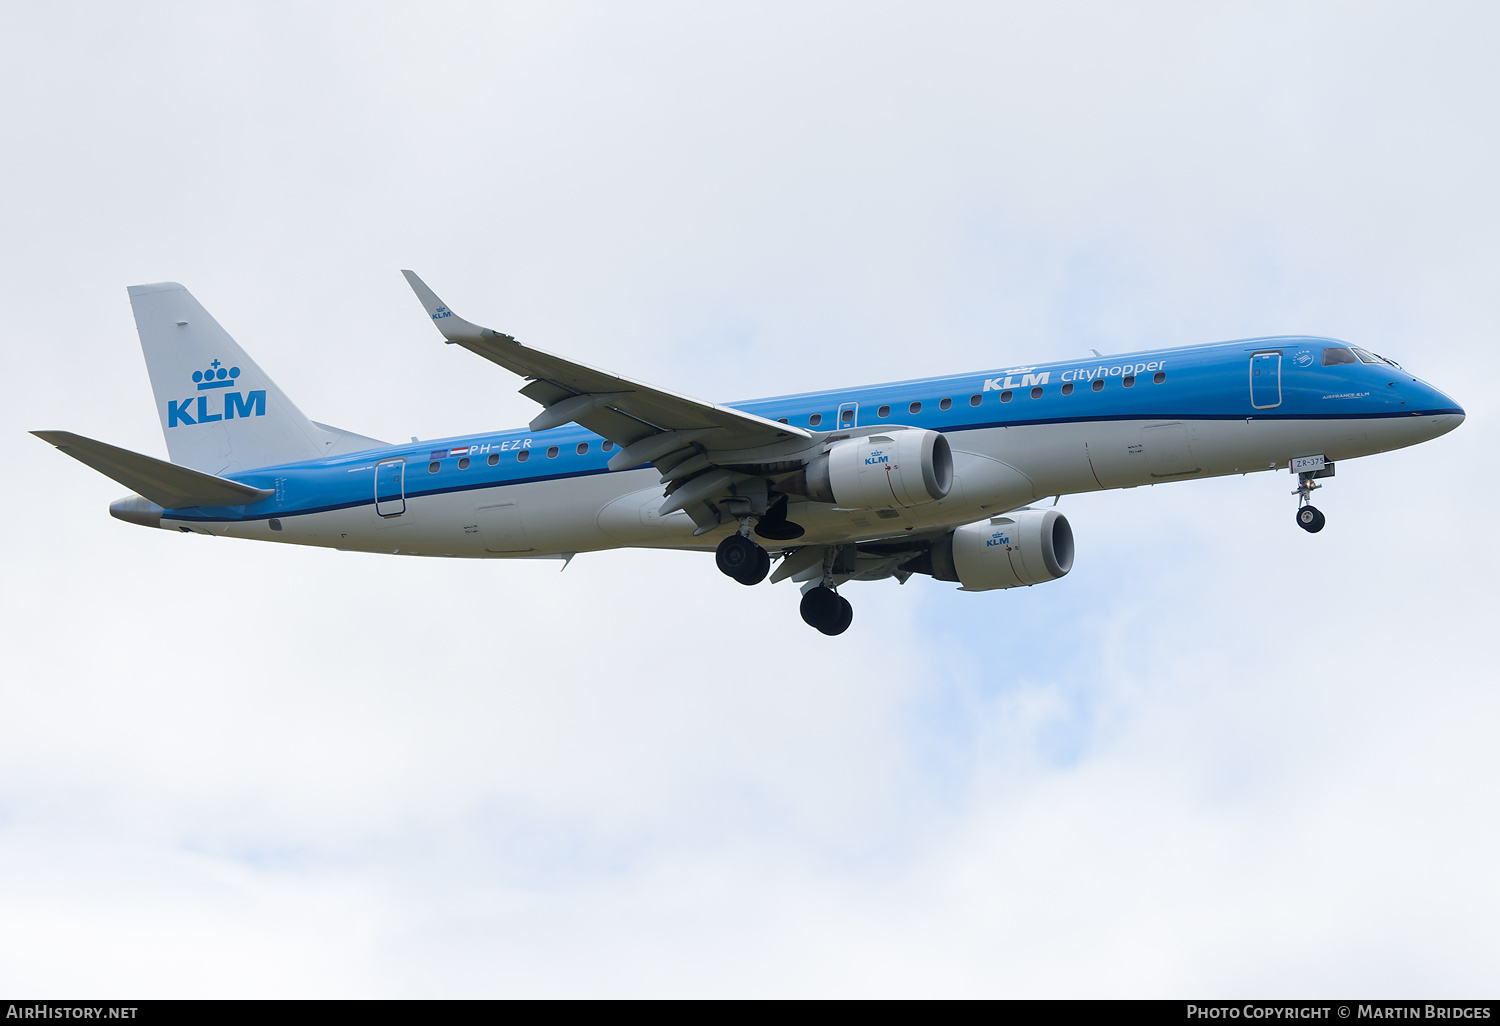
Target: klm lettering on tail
[[232, 404]]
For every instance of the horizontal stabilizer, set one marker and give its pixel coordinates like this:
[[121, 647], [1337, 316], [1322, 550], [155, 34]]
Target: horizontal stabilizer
[[166, 484]]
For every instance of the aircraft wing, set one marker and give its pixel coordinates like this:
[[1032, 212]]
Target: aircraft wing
[[651, 424]]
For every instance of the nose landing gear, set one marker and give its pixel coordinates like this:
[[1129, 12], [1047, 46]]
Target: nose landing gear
[[1311, 519], [1308, 469]]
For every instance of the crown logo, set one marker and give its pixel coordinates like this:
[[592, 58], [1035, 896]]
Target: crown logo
[[217, 376]]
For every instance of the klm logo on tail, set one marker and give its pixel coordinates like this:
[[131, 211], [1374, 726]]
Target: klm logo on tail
[[234, 404]]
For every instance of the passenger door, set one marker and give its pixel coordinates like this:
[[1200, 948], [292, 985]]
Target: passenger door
[[1265, 380], [390, 488]]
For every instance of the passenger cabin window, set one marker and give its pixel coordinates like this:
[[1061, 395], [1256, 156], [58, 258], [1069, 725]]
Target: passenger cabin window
[[975, 400], [552, 452], [432, 468], [1036, 392], [1159, 377], [946, 404], [815, 420], [884, 411], [1128, 381], [1098, 385], [846, 417], [1332, 357], [494, 458], [1005, 396], [523, 455], [583, 447], [915, 407], [463, 464], [1067, 388], [781, 420], [607, 446]]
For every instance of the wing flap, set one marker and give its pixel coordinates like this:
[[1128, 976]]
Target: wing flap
[[166, 484]]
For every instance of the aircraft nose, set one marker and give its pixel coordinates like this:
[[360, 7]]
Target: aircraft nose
[[1447, 414], [1442, 401]]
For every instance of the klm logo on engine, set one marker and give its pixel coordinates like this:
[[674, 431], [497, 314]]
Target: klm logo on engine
[[229, 405], [998, 538], [876, 458]]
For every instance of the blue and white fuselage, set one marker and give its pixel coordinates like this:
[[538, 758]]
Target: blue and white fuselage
[[1197, 421], [1013, 435]]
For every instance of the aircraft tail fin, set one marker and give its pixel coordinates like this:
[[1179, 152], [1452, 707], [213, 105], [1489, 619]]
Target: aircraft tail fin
[[219, 411]]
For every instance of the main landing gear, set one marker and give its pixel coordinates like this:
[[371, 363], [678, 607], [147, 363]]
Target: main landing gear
[[822, 607], [742, 559], [827, 610]]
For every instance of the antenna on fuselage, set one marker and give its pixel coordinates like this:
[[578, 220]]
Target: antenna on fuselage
[[1097, 353]]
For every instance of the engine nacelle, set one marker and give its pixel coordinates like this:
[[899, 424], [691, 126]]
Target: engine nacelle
[[1029, 546], [903, 468]]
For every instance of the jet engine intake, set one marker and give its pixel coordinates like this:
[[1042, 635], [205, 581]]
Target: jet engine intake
[[1026, 547], [903, 468]]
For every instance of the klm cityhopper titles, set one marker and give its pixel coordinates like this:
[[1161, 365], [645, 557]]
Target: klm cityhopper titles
[[935, 476]]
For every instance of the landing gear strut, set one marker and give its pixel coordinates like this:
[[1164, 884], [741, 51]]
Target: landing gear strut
[[1309, 517], [827, 610], [742, 559]]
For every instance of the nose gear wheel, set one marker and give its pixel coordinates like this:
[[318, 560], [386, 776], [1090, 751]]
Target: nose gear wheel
[[1310, 519]]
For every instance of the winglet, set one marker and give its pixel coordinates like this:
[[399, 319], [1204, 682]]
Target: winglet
[[453, 327]]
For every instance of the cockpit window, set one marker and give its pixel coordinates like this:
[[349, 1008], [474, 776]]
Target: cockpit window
[[1337, 356], [1365, 356]]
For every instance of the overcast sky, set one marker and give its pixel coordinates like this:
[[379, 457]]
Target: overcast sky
[[1221, 757]]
